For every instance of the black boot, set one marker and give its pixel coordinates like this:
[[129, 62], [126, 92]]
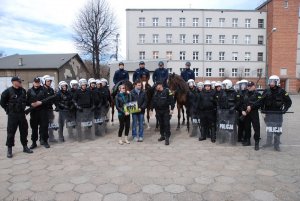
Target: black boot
[[46, 145], [42, 142], [167, 142], [162, 138], [33, 146], [9, 152], [256, 147], [247, 142], [27, 150]]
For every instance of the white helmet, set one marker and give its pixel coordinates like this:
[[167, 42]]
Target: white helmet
[[191, 82], [82, 81], [73, 82], [104, 81], [200, 84], [62, 83], [275, 79], [243, 84], [98, 81], [218, 84], [91, 80], [243, 81], [227, 84], [207, 82], [46, 78]]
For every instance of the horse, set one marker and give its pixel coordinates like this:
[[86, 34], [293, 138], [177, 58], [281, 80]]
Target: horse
[[180, 90], [115, 90], [147, 88]]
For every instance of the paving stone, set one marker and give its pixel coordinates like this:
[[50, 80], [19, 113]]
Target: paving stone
[[44, 196], [152, 189], [213, 195], [84, 188], [19, 195], [263, 195], [139, 197], [107, 188], [130, 188], [64, 187], [19, 186], [79, 180], [204, 180], [174, 188], [188, 196], [115, 196], [164, 197], [265, 172], [41, 187], [93, 196], [224, 179], [67, 196]]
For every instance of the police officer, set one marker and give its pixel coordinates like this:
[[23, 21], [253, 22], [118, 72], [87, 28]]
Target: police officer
[[242, 90], [74, 86], [192, 106], [188, 73], [218, 89], [229, 98], [162, 103], [13, 101], [199, 87], [140, 72], [120, 74], [107, 99], [275, 101], [39, 119], [207, 105], [91, 84], [65, 105], [247, 100], [160, 74], [49, 91]]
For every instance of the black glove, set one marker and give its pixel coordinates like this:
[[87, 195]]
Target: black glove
[[284, 110], [56, 109]]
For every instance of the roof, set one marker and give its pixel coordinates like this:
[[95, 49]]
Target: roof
[[263, 4], [189, 9], [36, 61]]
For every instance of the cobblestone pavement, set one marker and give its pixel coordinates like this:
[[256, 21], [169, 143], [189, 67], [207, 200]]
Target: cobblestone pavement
[[186, 170]]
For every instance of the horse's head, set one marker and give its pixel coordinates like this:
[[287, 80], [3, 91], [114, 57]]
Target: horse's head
[[177, 83]]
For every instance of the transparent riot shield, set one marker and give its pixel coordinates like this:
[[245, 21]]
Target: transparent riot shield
[[195, 127], [53, 124], [71, 123], [226, 126], [273, 122], [84, 119], [98, 121]]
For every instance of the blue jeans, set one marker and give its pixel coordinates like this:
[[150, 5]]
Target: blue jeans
[[138, 119]]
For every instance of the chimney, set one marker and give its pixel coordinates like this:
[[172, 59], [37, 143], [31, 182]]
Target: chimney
[[20, 61]]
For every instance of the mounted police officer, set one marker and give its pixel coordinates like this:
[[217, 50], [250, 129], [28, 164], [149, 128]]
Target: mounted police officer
[[188, 73], [248, 99], [160, 74], [275, 102], [13, 101], [39, 119], [163, 103], [140, 72], [120, 74]]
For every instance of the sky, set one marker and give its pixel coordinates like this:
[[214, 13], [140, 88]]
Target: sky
[[45, 26]]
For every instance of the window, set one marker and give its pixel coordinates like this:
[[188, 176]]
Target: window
[[141, 21], [247, 39], [283, 71], [235, 22], [170, 70], [286, 4], [234, 39], [155, 21], [208, 72], [169, 55], [221, 72], [182, 55], [169, 38], [142, 38], [208, 22], [196, 71], [182, 22], [221, 39], [155, 38], [208, 39], [260, 40], [234, 56], [155, 54], [208, 56], [182, 38], [168, 21], [261, 23], [195, 55], [195, 22], [221, 56], [260, 56], [195, 38], [247, 72], [221, 22], [234, 72], [142, 55], [247, 56], [259, 72], [247, 23]]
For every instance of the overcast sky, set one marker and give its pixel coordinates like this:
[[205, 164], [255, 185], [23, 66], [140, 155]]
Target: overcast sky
[[45, 26]]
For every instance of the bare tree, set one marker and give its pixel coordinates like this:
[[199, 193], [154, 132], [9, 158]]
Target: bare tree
[[95, 28]]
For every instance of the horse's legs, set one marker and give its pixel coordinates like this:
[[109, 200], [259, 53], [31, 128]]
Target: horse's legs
[[188, 119], [178, 116], [112, 111], [148, 118], [183, 118]]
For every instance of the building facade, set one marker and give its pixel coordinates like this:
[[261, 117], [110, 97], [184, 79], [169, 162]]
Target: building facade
[[219, 43]]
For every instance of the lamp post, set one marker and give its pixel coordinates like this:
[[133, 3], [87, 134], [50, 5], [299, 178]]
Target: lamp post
[[117, 46], [267, 56]]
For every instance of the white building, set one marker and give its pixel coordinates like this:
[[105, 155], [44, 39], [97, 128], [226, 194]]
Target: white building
[[218, 43]]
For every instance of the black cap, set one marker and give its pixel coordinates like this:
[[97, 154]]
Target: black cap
[[188, 63], [121, 63], [250, 84], [142, 62], [36, 79], [16, 78], [161, 63], [159, 83]]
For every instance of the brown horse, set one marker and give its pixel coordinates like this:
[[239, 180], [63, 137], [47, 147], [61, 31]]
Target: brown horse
[[149, 92], [115, 90], [180, 90]]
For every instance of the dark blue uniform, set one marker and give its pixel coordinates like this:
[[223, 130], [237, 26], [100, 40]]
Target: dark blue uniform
[[188, 74], [161, 75], [139, 73], [120, 75]]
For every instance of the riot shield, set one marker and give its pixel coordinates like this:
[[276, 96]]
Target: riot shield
[[273, 122], [98, 122], [84, 119], [53, 124], [70, 119], [226, 127], [195, 127]]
